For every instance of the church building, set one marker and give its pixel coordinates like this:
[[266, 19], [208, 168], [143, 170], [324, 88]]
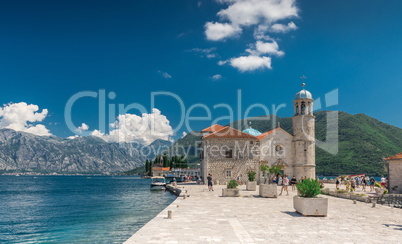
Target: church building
[[228, 153]]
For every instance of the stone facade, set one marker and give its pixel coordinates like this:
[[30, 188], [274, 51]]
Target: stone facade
[[228, 153], [225, 166], [395, 173]]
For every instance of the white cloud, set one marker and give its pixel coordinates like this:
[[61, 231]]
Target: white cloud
[[219, 31], [268, 48], [22, 117], [250, 63], [73, 137], [216, 77], [262, 15], [83, 127], [283, 28], [252, 12], [143, 129], [184, 134], [164, 74]]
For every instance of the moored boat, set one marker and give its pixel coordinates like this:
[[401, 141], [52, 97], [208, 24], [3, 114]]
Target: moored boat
[[158, 183]]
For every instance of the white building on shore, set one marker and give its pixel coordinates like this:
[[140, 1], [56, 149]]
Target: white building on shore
[[227, 153]]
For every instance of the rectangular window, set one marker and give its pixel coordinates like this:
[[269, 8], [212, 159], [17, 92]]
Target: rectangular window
[[228, 173], [251, 142], [241, 155], [229, 154]]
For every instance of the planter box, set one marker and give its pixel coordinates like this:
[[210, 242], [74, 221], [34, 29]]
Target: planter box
[[251, 186], [268, 190], [317, 206], [230, 192]]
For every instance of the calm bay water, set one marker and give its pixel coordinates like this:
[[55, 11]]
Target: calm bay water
[[76, 209]]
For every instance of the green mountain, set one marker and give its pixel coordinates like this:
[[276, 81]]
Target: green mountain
[[363, 142]]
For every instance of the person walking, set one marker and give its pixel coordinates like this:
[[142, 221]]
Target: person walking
[[285, 183], [210, 185]]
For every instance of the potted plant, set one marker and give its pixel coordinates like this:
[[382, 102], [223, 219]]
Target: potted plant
[[231, 190], [306, 202], [267, 186], [251, 185]]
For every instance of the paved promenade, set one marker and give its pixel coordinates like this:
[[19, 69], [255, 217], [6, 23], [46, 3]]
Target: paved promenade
[[205, 217]]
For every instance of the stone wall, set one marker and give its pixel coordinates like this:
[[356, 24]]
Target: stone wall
[[395, 175], [245, 158], [283, 155]]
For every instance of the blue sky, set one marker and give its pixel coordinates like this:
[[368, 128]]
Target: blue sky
[[50, 50]]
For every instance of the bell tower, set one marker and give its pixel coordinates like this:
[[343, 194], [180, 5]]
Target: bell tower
[[303, 122]]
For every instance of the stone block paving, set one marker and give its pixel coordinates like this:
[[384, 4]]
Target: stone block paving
[[206, 217]]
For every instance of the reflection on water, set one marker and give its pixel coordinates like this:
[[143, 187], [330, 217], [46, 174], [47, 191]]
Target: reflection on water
[[76, 209]]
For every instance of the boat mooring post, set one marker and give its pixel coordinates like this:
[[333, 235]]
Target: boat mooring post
[[169, 214]]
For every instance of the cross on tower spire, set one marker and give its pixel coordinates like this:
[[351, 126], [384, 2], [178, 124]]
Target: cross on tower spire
[[303, 77]]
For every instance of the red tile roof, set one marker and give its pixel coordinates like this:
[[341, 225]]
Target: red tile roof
[[394, 157], [230, 133], [213, 128], [263, 135]]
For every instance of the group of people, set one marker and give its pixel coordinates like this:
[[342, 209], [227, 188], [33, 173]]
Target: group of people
[[284, 181], [351, 183]]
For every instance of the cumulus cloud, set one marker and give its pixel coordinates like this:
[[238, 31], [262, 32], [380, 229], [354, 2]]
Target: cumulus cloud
[[263, 16], [164, 74], [83, 127], [23, 117], [216, 77], [73, 137], [251, 62], [267, 48], [143, 129], [219, 31]]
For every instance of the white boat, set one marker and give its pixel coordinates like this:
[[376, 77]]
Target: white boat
[[158, 183]]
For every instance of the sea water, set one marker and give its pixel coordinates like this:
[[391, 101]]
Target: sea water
[[76, 209]]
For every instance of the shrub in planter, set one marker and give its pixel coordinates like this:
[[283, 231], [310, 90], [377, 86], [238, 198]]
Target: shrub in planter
[[307, 203], [251, 176], [232, 184], [251, 185], [267, 187], [231, 190]]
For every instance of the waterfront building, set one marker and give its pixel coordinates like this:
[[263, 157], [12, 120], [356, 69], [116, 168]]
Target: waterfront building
[[395, 173], [228, 153]]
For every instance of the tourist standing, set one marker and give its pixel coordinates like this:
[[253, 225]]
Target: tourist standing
[[210, 185], [383, 181], [285, 183], [337, 183], [372, 182], [280, 179], [364, 183], [293, 183], [352, 184]]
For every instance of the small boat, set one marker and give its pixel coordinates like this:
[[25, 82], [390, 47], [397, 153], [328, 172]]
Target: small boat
[[158, 183]]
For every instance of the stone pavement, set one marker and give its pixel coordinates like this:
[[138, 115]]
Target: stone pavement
[[206, 217]]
